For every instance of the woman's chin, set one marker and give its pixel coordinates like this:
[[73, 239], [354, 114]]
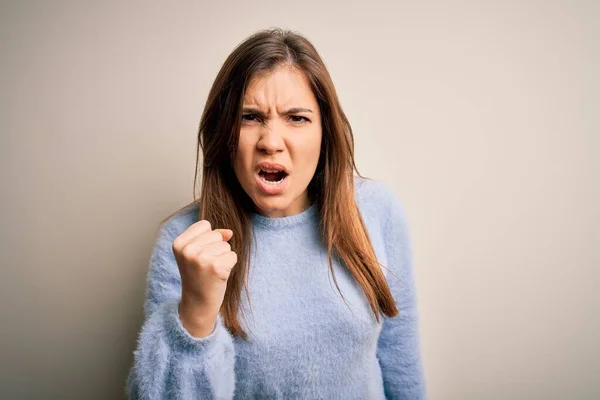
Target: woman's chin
[[271, 207], [279, 207]]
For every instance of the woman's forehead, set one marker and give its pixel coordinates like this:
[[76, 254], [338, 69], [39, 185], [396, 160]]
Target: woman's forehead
[[284, 88]]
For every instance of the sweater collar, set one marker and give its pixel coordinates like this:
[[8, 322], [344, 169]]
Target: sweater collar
[[284, 222]]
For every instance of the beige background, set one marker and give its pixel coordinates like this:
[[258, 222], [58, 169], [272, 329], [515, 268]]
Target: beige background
[[482, 116]]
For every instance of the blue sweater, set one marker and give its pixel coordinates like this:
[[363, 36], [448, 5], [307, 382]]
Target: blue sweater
[[304, 340]]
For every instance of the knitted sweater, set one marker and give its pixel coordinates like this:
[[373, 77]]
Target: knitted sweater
[[304, 341]]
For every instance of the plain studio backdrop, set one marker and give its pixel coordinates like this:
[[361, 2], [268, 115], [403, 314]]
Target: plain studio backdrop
[[483, 117]]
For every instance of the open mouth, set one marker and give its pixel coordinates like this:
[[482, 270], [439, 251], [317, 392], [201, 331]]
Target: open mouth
[[272, 176]]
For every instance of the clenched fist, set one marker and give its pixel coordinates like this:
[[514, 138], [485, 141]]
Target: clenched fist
[[205, 261]]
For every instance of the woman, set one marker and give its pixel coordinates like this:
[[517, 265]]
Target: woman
[[280, 214]]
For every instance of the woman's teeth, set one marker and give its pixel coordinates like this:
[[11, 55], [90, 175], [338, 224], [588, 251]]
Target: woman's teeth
[[272, 176], [272, 182]]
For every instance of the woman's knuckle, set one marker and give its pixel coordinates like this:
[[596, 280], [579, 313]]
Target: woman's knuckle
[[176, 245], [205, 224]]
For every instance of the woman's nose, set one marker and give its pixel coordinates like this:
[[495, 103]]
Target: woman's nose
[[271, 139]]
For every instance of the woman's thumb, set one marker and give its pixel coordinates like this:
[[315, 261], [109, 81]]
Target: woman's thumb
[[227, 233]]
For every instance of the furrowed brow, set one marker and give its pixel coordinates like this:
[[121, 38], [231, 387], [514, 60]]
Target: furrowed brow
[[248, 110], [293, 110]]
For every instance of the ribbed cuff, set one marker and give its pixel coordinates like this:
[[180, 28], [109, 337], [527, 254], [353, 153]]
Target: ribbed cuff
[[182, 339]]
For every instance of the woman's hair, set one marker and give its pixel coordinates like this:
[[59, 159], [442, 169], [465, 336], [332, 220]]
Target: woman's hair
[[225, 204]]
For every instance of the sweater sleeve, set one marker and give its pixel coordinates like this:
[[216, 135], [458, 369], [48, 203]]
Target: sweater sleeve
[[398, 346], [169, 363]]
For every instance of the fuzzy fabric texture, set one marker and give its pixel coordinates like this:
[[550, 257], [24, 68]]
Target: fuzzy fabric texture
[[304, 340]]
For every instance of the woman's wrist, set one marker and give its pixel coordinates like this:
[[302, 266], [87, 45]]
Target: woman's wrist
[[195, 319]]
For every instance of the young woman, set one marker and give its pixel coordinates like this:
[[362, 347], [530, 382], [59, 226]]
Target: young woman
[[280, 214]]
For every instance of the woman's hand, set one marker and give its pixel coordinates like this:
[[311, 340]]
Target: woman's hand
[[205, 261]]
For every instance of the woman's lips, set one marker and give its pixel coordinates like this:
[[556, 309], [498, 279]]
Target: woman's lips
[[268, 166]]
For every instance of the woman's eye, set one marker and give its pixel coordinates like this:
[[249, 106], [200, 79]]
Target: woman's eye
[[296, 119], [249, 117], [299, 119]]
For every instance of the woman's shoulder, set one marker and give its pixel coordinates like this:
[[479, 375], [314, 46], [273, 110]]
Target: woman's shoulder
[[376, 199], [373, 193]]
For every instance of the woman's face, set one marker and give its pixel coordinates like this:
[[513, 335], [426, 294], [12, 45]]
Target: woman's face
[[279, 143]]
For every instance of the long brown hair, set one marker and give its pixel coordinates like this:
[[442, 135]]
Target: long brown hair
[[225, 204]]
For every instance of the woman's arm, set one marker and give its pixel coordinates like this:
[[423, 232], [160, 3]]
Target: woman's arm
[[169, 363], [398, 348]]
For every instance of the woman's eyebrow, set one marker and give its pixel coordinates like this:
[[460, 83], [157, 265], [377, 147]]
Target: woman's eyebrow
[[293, 110]]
